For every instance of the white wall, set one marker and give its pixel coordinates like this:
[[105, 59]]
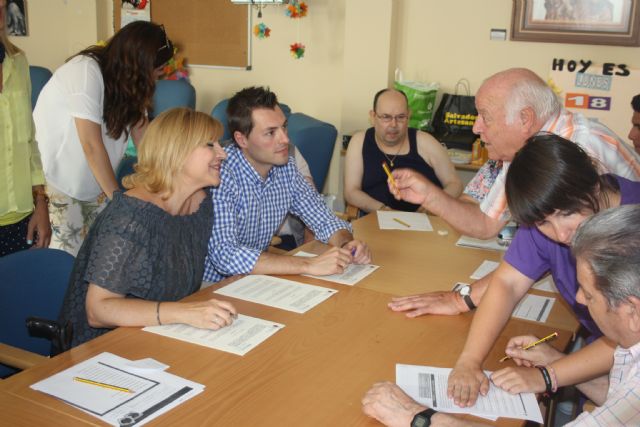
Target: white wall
[[352, 48], [57, 30]]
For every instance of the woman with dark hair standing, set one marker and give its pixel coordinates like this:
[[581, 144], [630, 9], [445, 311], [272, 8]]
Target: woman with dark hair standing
[[24, 221], [84, 117]]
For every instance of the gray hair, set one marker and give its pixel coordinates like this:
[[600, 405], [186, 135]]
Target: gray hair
[[609, 242], [529, 90]]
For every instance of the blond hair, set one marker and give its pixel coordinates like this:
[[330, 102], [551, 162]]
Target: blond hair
[[168, 141]]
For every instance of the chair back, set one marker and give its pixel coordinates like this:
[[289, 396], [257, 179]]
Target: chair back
[[125, 168], [33, 282], [39, 77], [316, 140], [171, 94]]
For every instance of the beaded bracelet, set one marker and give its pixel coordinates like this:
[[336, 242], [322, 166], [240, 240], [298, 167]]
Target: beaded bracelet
[[158, 313]]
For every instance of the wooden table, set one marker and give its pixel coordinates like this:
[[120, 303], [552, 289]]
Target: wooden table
[[312, 373]]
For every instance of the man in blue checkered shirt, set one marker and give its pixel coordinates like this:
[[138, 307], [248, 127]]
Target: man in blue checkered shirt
[[260, 184]]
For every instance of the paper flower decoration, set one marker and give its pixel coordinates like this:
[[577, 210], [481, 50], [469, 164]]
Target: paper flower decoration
[[296, 9], [297, 50], [261, 31], [175, 68]]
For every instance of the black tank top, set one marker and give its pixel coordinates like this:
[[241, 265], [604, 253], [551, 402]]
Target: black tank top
[[374, 179]]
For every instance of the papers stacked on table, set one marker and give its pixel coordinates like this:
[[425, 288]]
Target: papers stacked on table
[[350, 276], [120, 391], [428, 386], [275, 292], [546, 284], [242, 336], [407, 221], [534, 307], [470, 242], [485, 268]]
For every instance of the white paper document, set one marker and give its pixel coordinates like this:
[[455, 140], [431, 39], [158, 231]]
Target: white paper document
[[546, 284], [485, 268], [275, 292], [428, 386], [534, 307], [244, 334], [350, 276], [140, 395], [407, 221], [470, 242]]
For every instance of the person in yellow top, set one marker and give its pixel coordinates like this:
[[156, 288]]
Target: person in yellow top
[[24, 218]]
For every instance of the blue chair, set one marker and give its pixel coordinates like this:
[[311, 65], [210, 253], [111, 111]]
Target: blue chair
[[314, 138], [39, 77], [168, 94], [125, 168], [173, 93], [34, 283]]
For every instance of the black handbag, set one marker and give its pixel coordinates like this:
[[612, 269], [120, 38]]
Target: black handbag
[[454, 118]]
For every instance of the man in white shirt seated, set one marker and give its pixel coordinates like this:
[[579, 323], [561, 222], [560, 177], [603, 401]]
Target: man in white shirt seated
[[607, 251]]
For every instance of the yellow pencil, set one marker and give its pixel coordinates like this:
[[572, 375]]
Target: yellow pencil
[[388, 172], [99, 384], [402, 222], [533, 344]]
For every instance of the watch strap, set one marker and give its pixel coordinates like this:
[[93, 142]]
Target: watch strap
[[423, 419], [467, 299]]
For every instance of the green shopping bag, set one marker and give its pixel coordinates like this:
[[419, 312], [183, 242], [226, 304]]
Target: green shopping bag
[[422, 100]]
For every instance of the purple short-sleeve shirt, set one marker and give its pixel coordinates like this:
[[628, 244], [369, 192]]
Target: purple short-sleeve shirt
[[533, 254]]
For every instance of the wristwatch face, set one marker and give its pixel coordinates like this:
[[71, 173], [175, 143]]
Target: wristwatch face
[[464, 290], [420, 421]]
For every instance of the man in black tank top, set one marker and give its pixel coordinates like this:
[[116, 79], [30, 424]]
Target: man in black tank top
[[390, 140]]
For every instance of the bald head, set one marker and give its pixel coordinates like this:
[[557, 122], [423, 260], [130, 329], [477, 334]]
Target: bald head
[[390, 94], [519, 88], [513, 75]]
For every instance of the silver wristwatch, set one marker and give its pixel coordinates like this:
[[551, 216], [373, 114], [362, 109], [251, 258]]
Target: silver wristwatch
[[464, 290]]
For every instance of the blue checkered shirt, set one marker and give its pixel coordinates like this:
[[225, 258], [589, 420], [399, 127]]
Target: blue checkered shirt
[[247, 211]]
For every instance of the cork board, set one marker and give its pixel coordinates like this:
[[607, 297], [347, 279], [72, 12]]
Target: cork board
[[207, 32]]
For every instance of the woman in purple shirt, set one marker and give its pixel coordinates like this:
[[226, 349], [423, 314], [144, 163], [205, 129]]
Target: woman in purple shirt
[[552, 187]]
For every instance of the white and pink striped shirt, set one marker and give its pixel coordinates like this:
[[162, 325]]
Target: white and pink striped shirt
[[615, 156]]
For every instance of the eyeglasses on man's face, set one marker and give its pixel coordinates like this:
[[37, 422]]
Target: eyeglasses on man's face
[[388, 118]]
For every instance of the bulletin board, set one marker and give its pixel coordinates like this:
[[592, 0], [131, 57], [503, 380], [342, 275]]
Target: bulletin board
[[599, 91], [207, 32]]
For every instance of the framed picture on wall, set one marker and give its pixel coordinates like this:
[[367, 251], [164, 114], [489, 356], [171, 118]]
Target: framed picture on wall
[[605, 22], [16, 19]]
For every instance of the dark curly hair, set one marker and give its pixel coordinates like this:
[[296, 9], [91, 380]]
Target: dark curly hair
[[127, 63]]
